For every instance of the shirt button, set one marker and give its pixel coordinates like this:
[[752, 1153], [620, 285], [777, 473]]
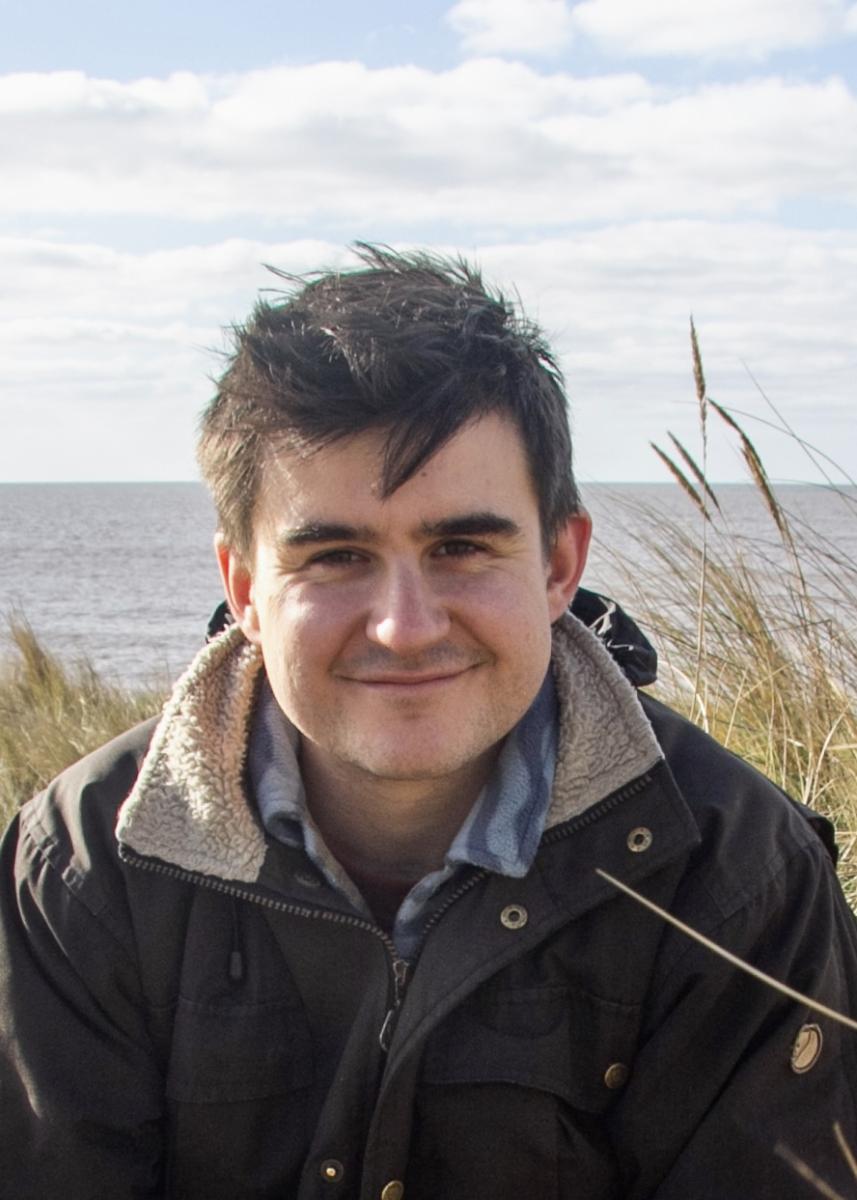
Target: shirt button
[[394, 1190], [616, 1076], [639, 839], [514, 916], [332, 1170]]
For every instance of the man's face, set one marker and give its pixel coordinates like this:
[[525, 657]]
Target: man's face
[[404, 637]]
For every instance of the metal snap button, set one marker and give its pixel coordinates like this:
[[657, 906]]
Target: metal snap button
[[394, 1190], [332, 1170], [514, 916], [616, 1076], [639, 839], [806, 1048]]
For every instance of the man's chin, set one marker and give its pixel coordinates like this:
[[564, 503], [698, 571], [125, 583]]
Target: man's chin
[[397, 764], [403, 770]]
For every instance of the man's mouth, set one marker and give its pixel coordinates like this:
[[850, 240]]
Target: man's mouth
[[417, 677], [408, 678]]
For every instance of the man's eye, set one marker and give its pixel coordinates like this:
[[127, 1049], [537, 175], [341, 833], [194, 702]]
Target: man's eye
[[335, 558], [458, 549]]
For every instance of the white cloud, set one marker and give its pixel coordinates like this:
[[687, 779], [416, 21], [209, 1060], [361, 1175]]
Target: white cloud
[[743, 29], [106, 354], [490, 142], [616, 205], [739, 29], [511, 26], [616, 303]]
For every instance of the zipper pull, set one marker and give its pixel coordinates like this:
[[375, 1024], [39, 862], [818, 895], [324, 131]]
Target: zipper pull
[[386, 1034], [401, 967], [400, 981]]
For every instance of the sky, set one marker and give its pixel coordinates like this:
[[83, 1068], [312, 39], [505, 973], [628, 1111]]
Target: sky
[[620, 165]]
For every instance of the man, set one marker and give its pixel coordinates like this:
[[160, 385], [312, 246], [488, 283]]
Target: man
[[332, 927]]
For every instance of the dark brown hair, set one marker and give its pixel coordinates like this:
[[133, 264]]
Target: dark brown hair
[[410, 344]]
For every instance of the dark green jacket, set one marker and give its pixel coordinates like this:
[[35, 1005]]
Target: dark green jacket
[[175, 1029]]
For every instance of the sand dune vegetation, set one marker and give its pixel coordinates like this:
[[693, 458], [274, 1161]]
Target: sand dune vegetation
[[756, 636], [52, 713]]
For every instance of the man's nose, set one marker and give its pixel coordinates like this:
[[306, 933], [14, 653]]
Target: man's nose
[[407, 617]]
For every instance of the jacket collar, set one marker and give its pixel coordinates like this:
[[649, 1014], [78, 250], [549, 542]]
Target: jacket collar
[[189, 806]]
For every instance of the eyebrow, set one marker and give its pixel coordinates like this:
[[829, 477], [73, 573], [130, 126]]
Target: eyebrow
[[475, 524], [314, 532]]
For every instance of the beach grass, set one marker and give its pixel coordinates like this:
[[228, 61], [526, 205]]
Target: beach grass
[[760, 653], [756, 635], [52, 713]]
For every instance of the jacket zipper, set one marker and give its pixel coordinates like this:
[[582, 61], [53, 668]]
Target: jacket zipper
[[463, 887], [401, 972], [399, 967]]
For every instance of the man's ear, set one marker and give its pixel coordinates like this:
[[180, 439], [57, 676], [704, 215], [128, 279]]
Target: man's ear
[[238, 586], [566, 562]]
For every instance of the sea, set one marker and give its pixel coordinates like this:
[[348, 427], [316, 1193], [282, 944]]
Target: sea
[[123, 575]]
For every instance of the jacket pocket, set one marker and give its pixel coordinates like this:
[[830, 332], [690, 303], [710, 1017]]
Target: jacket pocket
[[514, 1093], [556, 1039], [242, 1052]]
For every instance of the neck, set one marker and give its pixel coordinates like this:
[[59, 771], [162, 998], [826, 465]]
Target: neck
[[389, 828]]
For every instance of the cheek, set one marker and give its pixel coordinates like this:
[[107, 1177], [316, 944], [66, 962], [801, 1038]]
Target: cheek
[[502, 604], [304, 629]]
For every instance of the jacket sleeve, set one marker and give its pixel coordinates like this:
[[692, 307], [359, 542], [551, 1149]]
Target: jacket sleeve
[[731, 1077], [80, 1094]]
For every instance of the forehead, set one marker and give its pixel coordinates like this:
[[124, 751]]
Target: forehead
[[484, 465]]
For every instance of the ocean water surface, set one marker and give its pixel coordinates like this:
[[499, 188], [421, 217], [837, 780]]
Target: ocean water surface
[[124, 573]]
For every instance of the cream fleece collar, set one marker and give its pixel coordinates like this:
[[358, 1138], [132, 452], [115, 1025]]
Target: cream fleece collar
[[189, 805]]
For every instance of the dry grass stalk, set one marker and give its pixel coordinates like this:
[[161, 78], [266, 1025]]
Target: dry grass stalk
[[698, 375], [695, 470], [681, 479], [815, 455], [733, 959], [847, 1152], [702, 405], [754, 465], [52, 714], [805, 1171]]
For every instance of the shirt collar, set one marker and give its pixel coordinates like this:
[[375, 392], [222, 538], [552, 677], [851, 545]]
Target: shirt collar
[[501, 832]]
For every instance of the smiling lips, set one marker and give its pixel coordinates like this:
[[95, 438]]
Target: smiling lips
[[407, 679], [422, 676]]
